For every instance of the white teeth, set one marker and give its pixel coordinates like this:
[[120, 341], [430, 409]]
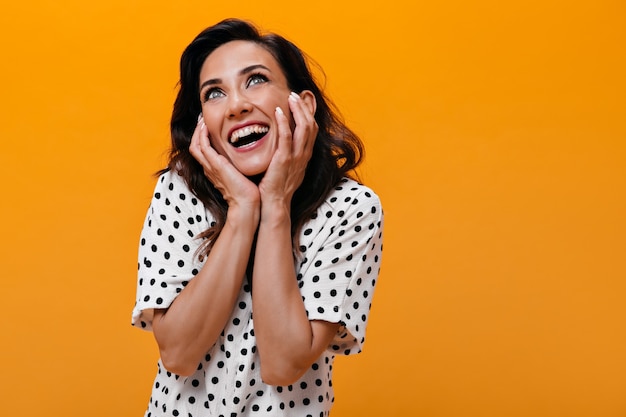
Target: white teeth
[[248, 130]]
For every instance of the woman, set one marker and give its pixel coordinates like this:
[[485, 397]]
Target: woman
[[259, 254]]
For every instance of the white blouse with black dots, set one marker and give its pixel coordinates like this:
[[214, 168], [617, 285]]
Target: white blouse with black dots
[[337, 267]]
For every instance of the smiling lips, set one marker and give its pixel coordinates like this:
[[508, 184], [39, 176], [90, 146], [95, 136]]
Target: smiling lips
[[248, 134]]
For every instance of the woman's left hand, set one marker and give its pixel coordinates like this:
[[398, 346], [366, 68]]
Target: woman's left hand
[[288, 165]]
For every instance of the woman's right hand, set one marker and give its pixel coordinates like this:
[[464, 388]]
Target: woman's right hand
[[237, 190], [188, 328]]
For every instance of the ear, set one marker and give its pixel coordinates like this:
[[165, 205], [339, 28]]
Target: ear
[[309, 100]]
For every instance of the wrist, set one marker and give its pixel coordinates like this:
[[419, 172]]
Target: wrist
[[243, 217], [276, 212]]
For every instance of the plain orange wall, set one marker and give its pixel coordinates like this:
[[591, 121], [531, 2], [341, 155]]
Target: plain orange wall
[[496, 136]]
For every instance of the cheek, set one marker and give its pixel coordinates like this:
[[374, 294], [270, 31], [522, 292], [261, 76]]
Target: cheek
[[214, 139], [292, 122], [213, 130], [217, 145]]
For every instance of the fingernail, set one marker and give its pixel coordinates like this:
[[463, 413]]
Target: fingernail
[[279, 110], [294, 95], [199, 117]]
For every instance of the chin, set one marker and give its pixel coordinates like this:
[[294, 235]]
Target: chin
[[256, 178], [253, 170]]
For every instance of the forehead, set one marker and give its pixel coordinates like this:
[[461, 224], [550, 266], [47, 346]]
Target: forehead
[[234, 56]]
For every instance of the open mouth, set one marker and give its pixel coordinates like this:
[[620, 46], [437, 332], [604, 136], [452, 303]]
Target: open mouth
[[247, 135]]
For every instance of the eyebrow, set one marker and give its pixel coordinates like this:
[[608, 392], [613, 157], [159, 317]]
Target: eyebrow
[[244, 71]]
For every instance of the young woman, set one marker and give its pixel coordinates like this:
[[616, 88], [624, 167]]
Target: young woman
[[259, 253]]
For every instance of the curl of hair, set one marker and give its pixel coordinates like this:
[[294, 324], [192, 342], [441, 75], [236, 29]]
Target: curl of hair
[[336, 153]]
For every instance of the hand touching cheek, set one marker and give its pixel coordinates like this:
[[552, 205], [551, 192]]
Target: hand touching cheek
[[234, 186], [288, 165]]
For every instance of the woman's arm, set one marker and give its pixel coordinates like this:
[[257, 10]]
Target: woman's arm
[[288, 342], [190, 326]]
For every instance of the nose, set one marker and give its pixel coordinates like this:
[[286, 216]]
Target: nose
[[238, 104]]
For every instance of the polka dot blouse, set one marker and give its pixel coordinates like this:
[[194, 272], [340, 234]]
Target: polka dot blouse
[[337, 264]]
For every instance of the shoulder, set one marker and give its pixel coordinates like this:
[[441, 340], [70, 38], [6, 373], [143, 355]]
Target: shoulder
[[172, 181], [173, 200], [171, 187], [350, 204], [349, 196]]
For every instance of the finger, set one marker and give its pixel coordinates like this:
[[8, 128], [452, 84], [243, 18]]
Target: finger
[[284, 131], [195, 145], [306, 126], [202, 150], [204, 143], [303, 117], [302, 112], [216, 165]]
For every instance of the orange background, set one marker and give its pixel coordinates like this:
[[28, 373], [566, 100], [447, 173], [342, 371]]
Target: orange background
[[496, 138]]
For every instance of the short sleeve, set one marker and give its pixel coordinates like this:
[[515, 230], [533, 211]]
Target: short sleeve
[[342, 253], [167, 247]]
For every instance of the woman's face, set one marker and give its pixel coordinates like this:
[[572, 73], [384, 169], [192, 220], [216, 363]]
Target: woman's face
[[241, 84]]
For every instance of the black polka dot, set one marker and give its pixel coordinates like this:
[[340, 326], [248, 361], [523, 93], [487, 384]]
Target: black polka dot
[[338, 246]]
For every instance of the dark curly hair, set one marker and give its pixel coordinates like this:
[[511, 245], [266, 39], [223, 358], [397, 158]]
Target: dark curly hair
[[337, 149]]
